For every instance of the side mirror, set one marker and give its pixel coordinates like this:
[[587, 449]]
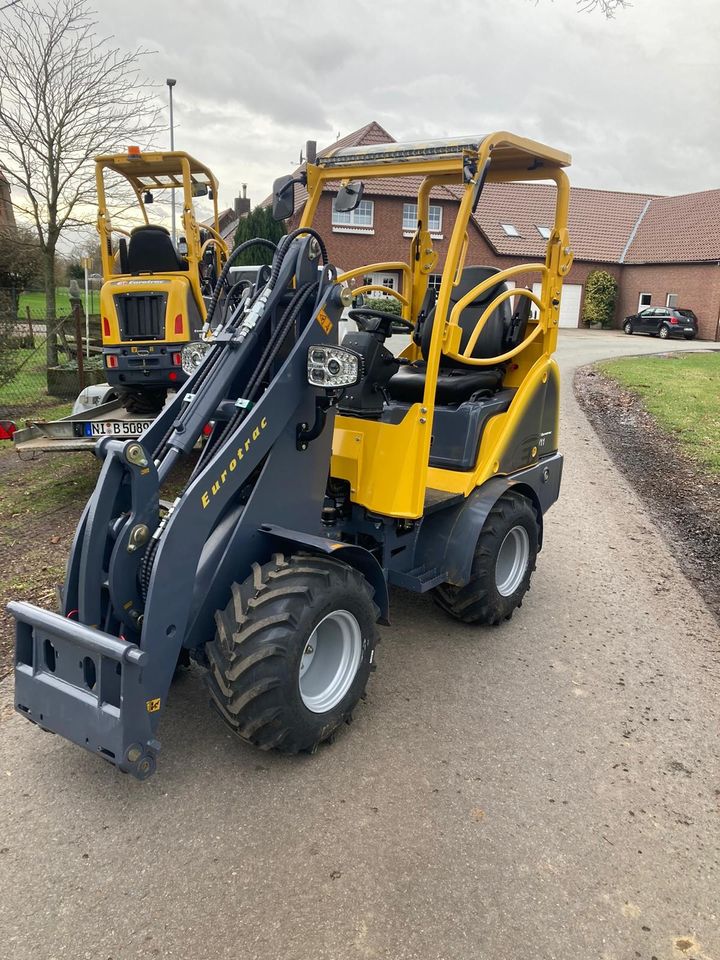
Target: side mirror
[[211, 194], [283, 197], [348, 197], [199, 190]]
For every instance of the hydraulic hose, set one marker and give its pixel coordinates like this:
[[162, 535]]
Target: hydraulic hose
[[284, 246], [269, 353], [256, 241]]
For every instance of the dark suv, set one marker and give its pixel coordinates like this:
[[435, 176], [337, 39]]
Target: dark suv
[[663, 322]]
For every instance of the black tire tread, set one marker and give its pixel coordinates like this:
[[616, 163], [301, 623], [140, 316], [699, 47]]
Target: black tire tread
[[249, 652], [142, 401], [473, 603]]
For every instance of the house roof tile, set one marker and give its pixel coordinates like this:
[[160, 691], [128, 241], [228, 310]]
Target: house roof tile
[[682, 229], [600, 221], [605, 226], [371, 133]]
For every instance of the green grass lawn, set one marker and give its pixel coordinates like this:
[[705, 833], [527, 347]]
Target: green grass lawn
[[682, 392], [36, 301], [26, 394]]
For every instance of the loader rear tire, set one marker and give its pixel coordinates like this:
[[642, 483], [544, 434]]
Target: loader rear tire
[[143, 401], [503, 564], [293, 651]]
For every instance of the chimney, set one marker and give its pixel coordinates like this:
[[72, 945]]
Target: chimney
[[242, 203]]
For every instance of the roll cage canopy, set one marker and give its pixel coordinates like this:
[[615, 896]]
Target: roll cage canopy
[[158, 171], [508, 151], [155, 171], [464, 164]]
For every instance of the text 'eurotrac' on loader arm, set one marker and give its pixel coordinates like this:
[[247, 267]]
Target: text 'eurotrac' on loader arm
[[153, 298], [332, 470]]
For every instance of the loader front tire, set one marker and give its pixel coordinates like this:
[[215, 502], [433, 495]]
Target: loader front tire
[[503, 564], [293, 651]]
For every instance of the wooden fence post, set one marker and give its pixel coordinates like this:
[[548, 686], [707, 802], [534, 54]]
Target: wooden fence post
[[29, 320], [79, 344]]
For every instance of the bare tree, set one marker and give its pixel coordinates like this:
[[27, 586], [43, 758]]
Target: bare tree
[[66, 95], [607, 7]]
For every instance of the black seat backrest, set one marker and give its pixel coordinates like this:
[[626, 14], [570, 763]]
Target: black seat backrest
[[426, 309], [517, 325], [490, 342], [151, 251]]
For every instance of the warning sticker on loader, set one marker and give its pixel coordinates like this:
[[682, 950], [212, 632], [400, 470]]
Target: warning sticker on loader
[[153, 705], [325, 322]]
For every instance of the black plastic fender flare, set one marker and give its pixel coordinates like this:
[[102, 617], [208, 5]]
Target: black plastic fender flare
[[447, 538], [355, 556]]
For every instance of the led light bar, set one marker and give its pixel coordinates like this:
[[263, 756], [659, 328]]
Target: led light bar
[[393, 152], [333, 367]]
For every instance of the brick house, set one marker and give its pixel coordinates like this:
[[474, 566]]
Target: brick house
[[662, 250]]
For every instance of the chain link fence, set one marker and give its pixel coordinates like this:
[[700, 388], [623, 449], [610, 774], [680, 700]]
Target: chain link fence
[[29, 387]]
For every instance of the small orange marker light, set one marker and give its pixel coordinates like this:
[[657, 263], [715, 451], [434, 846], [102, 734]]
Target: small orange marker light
[[133, 151]]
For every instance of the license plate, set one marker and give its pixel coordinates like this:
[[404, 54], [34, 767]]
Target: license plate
[[116, 428], [689, 329]]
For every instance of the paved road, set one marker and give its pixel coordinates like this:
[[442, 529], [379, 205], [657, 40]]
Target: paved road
[[546, 789]]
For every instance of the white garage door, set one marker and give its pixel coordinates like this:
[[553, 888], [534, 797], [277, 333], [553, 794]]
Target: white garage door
[[569, 303]]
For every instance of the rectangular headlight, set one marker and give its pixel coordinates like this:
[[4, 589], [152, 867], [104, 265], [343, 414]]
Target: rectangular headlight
[[333, 367]]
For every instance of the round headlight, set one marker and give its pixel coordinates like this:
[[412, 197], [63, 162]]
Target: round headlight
[[193, 355]]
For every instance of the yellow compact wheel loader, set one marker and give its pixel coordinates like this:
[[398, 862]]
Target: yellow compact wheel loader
[[332, 470], [153, 298]]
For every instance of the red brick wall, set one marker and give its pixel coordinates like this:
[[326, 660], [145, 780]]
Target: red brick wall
[[697, 286]]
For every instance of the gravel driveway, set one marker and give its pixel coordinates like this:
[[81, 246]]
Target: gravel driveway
[[546, 789]]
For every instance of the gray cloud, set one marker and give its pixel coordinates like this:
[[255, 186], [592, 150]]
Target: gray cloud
[[633, 99]]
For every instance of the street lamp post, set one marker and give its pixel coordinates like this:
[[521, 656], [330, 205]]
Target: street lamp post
[[171, 83]]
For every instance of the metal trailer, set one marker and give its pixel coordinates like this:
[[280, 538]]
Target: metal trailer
[[96, 413]]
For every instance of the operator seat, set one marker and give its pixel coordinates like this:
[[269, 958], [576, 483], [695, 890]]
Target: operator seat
[[458, 382], [151, 251]]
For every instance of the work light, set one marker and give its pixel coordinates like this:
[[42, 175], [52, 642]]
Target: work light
[[193, 355], [333, 366]]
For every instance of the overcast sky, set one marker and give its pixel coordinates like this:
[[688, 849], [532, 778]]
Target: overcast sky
[[633, 99]]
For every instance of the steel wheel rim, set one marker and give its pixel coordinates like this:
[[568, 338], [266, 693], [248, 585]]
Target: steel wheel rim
[[330, 661], [512, 561]]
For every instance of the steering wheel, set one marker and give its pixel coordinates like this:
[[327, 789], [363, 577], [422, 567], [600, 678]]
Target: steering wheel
[[377, 321]]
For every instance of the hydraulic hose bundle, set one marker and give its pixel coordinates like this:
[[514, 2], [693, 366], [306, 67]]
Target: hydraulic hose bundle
[[272, 348]]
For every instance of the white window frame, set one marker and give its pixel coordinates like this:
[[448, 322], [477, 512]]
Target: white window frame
[[410, 217], [349, 222], [672, 306], [644, 306], [510, 230]]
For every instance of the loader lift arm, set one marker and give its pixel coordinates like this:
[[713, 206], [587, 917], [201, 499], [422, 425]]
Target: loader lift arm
[[151, 581]]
